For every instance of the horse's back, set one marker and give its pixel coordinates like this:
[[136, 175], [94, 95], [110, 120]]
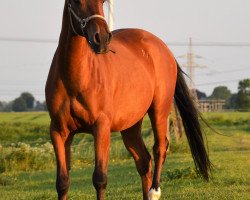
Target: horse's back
[[147, 48]]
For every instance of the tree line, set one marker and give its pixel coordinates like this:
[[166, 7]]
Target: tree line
[[24, 103], [235, 101]]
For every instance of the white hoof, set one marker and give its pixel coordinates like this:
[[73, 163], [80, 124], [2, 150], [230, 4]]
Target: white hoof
[[154, 194]]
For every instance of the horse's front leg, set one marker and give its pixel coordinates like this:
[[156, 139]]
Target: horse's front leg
[[102, 144], [62, 180], [68, 150]]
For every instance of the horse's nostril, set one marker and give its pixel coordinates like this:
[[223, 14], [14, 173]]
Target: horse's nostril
[[97, 38]]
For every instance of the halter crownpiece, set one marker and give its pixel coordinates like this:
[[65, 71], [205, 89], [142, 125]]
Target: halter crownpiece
[[83, 22]]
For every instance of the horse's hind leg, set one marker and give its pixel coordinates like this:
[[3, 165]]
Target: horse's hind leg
[[158, 114], [133, 141], [62, 181]]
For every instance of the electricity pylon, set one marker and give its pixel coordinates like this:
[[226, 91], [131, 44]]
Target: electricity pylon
[[191, 65]]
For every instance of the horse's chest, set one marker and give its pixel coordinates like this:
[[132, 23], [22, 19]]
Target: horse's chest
[[86, 107], [81, 112]]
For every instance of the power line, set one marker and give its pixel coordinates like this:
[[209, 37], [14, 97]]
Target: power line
[[214, 83], [28, 40], [222, 72], [202, 44], [212, 44]]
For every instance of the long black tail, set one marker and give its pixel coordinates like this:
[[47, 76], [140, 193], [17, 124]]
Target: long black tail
[[190, 118]]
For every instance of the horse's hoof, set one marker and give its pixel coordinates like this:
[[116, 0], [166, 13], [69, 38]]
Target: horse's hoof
[[154, 194]]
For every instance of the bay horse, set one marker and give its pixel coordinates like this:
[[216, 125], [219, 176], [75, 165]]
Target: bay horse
[[100, 82]]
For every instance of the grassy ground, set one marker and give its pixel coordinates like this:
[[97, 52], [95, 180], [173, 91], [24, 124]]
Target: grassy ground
[[230, 155]]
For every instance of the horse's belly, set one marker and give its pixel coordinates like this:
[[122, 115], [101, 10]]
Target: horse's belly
[[131, 107]]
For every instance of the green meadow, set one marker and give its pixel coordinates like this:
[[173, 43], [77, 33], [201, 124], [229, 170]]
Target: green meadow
[[27, 163]]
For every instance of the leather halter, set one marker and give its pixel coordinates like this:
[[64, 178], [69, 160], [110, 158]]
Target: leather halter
[[83, 22]]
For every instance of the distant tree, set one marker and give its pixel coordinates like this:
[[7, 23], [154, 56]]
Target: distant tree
[[1, 106], [201, 95], [232, 103], [19, 105], [45, 106], [29, 99], [243, 96], [221, 92], [40, 106], [244, 86], [7, 107]]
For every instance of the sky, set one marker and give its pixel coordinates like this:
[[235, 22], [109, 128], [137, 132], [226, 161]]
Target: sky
[[24, 65]]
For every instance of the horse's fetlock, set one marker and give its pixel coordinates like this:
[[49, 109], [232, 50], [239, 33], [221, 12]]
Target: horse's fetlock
[[100, 181], [62, 184]]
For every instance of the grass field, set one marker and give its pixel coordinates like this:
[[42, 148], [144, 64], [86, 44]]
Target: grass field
[[27, 162]]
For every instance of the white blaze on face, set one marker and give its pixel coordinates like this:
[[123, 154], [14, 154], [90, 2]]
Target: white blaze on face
[[154, 194]]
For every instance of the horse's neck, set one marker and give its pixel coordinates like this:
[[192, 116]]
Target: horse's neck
[[65, 26], [71, 46]]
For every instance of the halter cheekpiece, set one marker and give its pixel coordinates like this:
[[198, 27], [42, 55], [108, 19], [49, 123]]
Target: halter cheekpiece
[[83, 22]]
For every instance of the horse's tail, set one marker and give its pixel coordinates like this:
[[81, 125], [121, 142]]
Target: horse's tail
[[190, 117]]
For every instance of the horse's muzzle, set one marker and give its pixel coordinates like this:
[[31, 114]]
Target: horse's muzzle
[[100, 42]]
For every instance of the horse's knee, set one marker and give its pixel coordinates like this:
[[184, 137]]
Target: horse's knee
[[100, 180], [62, 185], [144, 166]]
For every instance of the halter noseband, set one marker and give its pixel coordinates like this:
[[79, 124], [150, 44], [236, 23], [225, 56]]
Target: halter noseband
[[83, 22]]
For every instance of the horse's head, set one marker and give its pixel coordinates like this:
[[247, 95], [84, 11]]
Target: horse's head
[[86, 18]]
